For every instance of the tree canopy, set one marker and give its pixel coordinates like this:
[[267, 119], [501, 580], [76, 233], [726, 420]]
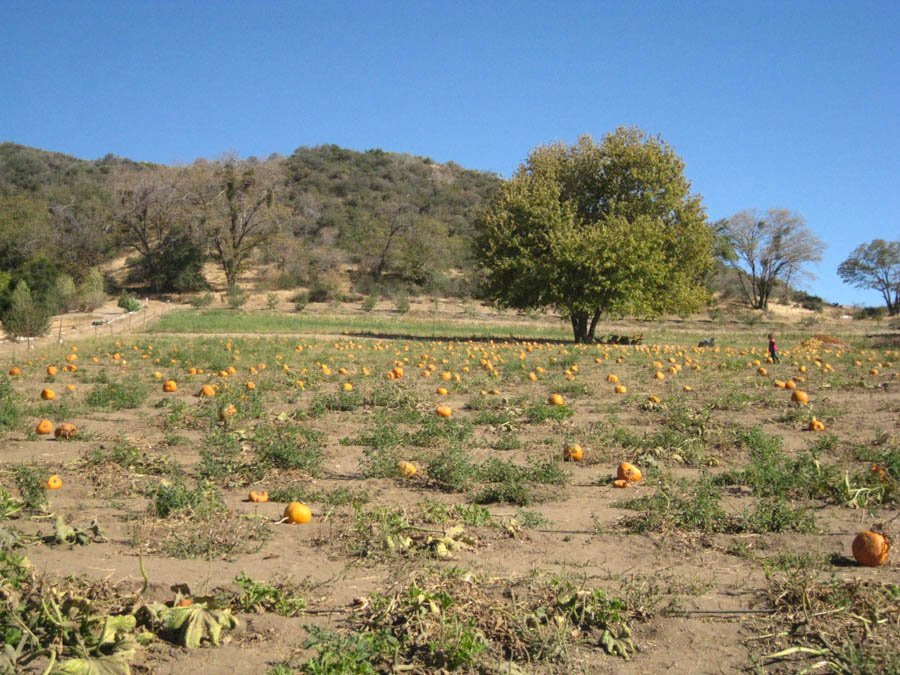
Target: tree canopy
[[875, 265], [609, 227]]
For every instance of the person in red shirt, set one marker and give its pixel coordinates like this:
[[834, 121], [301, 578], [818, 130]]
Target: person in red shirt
[[773, 350]]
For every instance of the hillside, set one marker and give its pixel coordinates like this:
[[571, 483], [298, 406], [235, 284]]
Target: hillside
[[397, 219]]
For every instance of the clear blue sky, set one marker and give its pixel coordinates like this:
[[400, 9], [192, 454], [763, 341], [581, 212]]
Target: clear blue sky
[[790, 104]]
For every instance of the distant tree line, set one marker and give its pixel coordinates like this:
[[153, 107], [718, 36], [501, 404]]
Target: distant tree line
[[598, 228]]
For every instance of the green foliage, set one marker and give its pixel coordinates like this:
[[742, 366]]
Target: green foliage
[[283, 598], [31, 482], [128, 302], [236, 297], [10, 405], [289, 446], [91, 293], [875, 265], [117, 395], [300, 300], [175, 496], [25, 317], [593, 228], [202, 301]]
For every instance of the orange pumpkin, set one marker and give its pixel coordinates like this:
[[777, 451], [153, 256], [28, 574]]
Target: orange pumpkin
[[555, 399], [48, 394], [621, 483], [54, 482], [816, 425], [66, 430], [14, 371], [871, 548], [628, 472], [52, 370], [444, 410], [409, 469], [44, 427], [574, 453], [170, 386], [259, 496], [612, 379], [296, 512], [798, 396], [207, 390], [620, 389]]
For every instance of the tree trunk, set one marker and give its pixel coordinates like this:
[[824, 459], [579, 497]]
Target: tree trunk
[[582, 330]]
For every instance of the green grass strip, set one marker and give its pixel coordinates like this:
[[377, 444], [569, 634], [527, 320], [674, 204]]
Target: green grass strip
[[235, 322]]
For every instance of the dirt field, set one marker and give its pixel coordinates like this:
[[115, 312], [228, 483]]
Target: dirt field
[[733, 553]]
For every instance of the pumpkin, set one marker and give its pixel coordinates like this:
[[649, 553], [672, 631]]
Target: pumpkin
[[574, 453], [871, 548], [532, 376], [628, 472], [442, 391], [259, 496], [48, 394], [207, 390], [555, 399], [54, 482], [398, 372], [71, 357], [52, 370], [620, 389], [14, 371], [66, 430], [816, 425], [658, 375], [790, 384], [44, 427], [621, 483], [408, 469], [798, 396], [170, 386], [873, 371], [347, 386], [444, 410], [612, 379], [762, 372], [296, 512], [250, 385], [653, 399]]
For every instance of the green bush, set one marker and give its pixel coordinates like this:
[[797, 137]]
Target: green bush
[[128, 302]]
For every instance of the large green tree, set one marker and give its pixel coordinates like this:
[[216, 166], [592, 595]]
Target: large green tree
[[875, 265], [594, 228]]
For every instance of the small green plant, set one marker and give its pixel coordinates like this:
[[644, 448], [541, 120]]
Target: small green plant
[[31, 482], [202, 301], [117, 395], [272, 301], [284, 598], [174, 496], [129, 302], [236, 297], [371, 300], [401, 303], [300, 300]]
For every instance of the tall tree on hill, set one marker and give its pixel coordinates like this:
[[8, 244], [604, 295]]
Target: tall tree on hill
[[875, 265], [597, 228], [238, 209], [769, 246], [156, 219]]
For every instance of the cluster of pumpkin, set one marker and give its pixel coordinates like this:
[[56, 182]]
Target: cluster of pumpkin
[[65, 431]]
